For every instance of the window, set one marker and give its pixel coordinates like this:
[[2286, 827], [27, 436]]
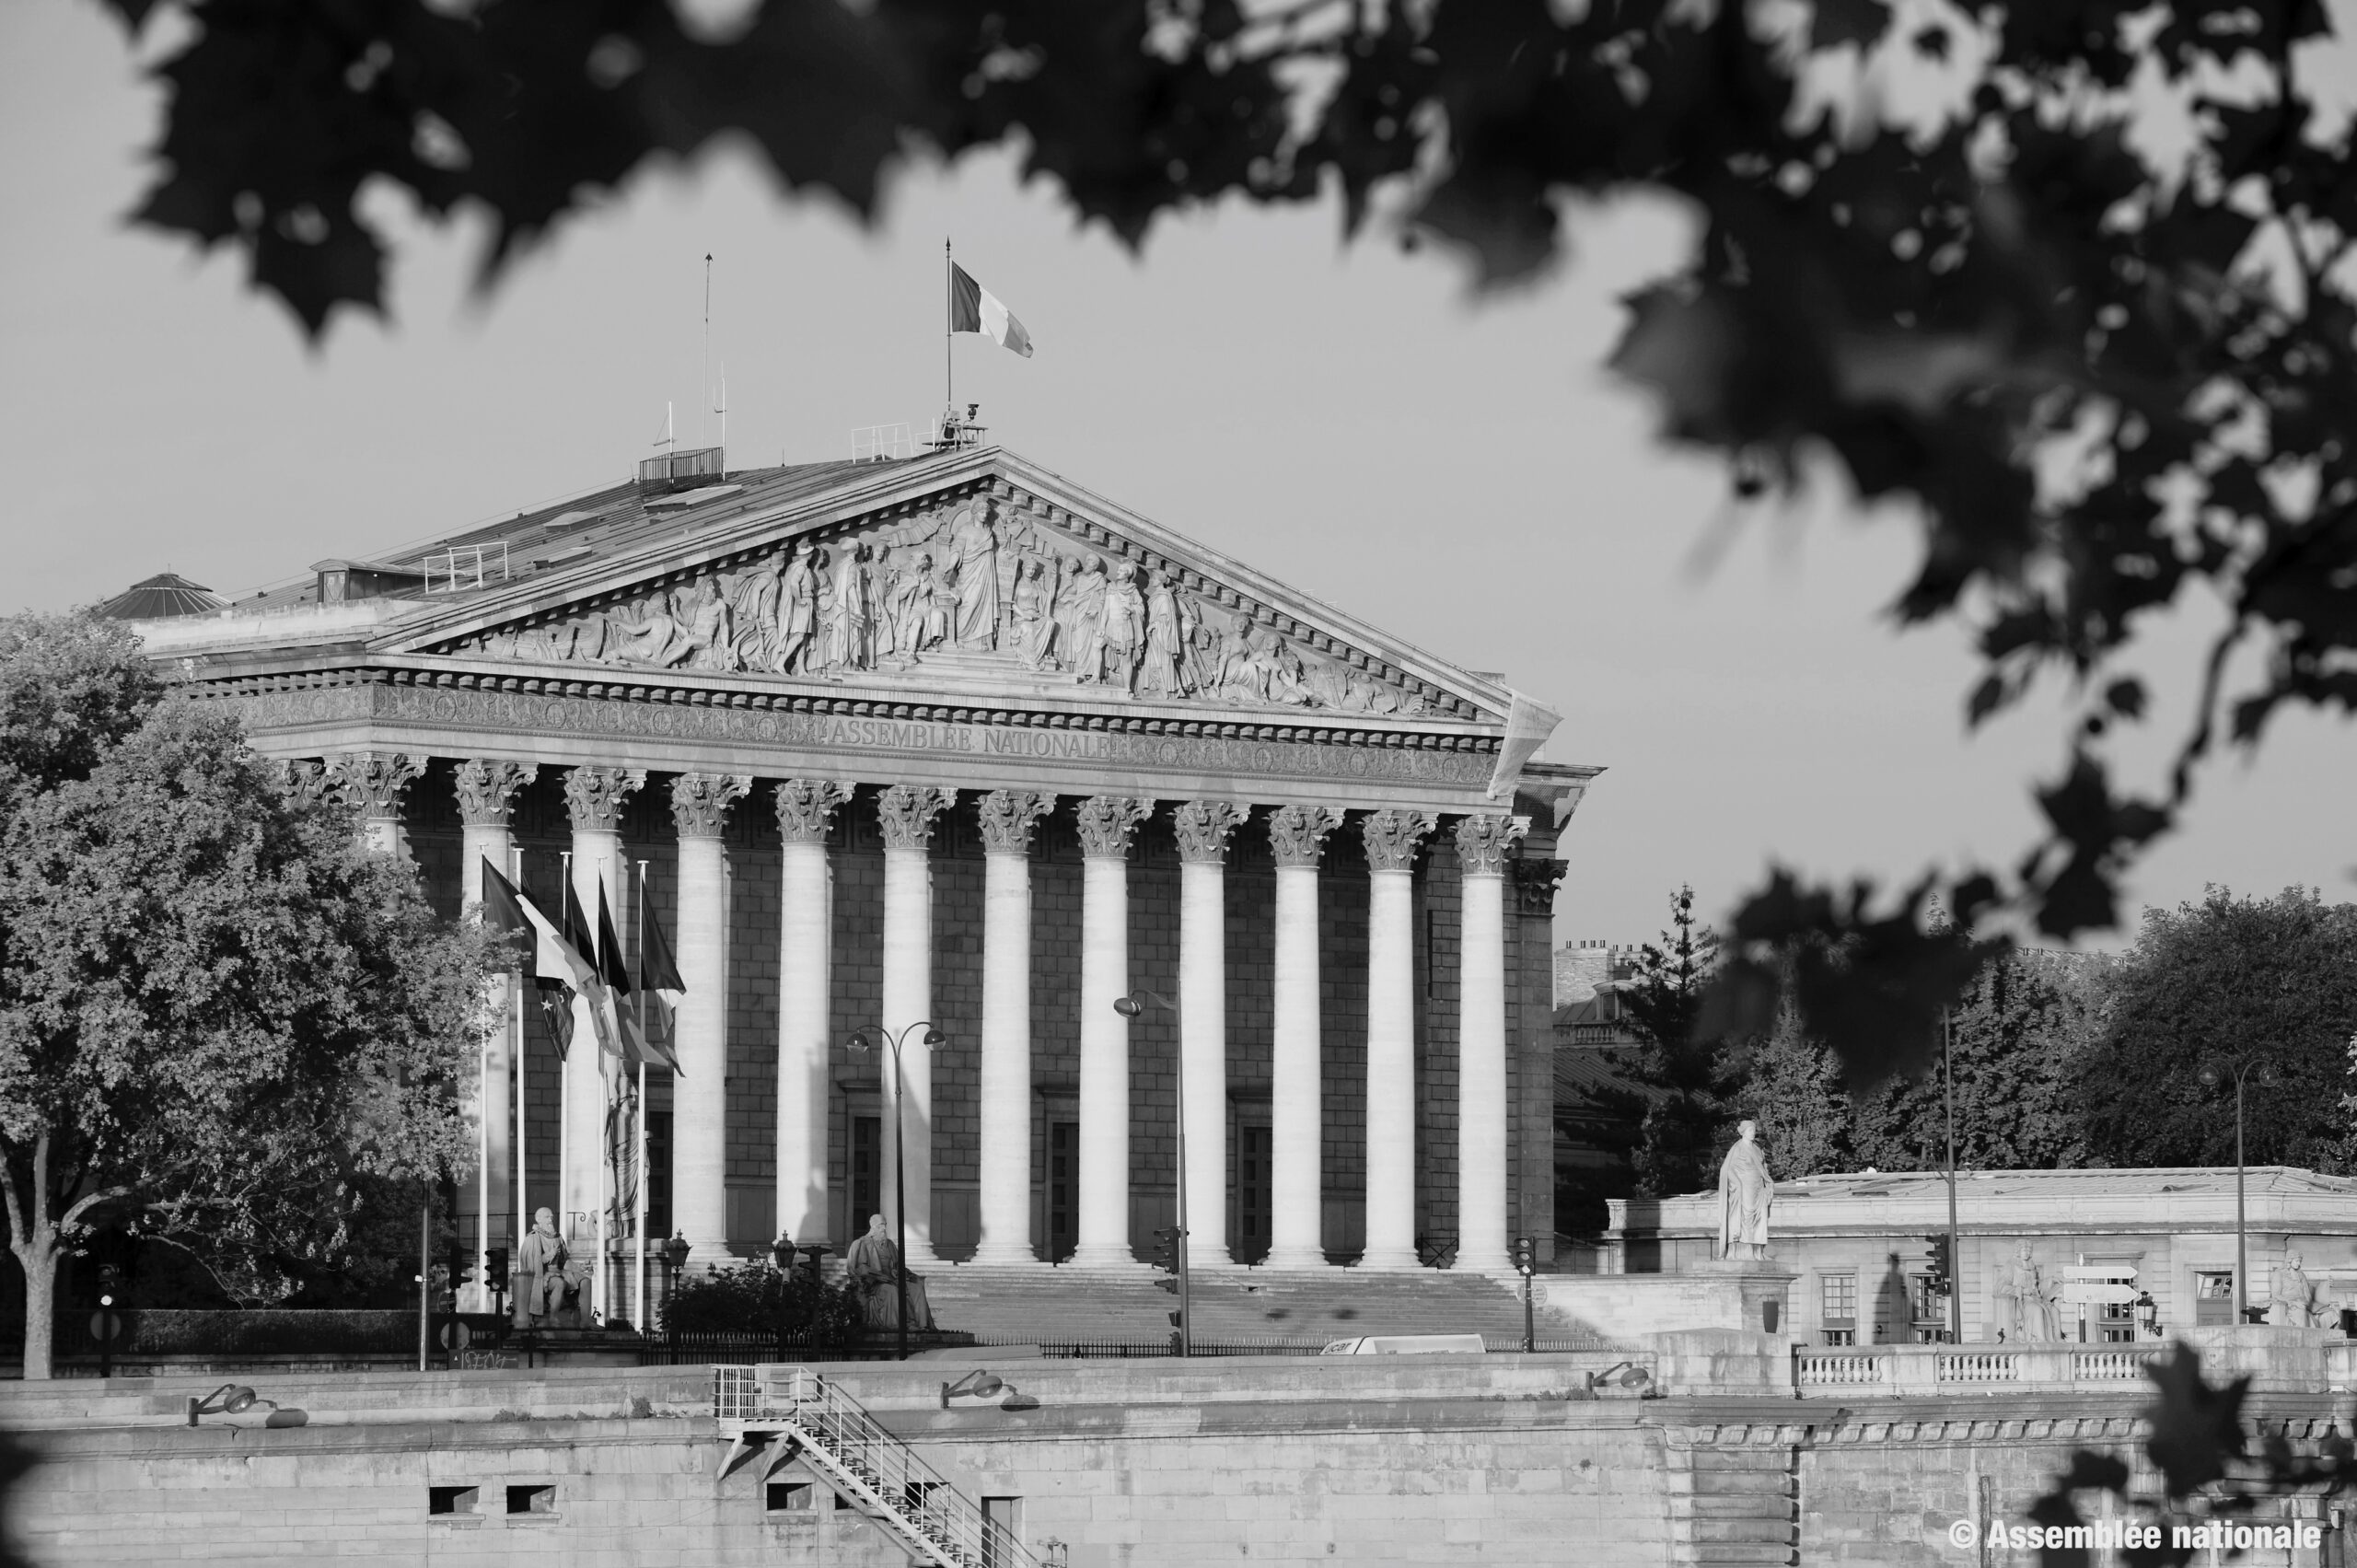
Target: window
[[2214, 1298], [790, 1497], [2116, 1322], [452, 1499], [1002, 1529], [1837, 1308], [531, 1499]]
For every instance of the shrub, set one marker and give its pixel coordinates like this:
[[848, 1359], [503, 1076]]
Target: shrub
[[757, 1299]]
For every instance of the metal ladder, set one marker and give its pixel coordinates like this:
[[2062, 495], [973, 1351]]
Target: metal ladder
[[882, 1475]]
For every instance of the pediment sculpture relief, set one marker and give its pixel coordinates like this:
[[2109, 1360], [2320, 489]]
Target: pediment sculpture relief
[[972, 580]]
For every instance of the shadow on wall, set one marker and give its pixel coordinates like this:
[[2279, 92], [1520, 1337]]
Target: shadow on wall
[[1641, 1253], [15, 1462]]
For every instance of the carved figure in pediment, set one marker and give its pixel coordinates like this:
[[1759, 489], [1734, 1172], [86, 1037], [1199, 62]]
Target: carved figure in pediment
[[798, 614], [753, 602], [654, 636], [1082, 630], [1120, 632], [919, 611], [1268, 669], [850, 636], [1035, 612], [708, 639], [973, 569], [1162, 672]]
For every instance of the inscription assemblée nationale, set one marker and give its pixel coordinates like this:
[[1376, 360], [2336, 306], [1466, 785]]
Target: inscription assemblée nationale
[[514, 715]]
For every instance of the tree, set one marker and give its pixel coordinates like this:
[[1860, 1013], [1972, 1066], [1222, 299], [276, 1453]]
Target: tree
[[1679, 1107], [2269, 982], [216, 1010], [2022, 1030], [1790, 1085], [2108, 377]]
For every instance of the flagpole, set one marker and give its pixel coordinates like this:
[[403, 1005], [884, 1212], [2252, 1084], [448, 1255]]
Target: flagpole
[[564, 1101], [638, 955], [949, 315], [523, 1197]]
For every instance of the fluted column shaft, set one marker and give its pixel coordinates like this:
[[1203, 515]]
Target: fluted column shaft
[[700, 804], [906, 813], [486, 792], [805, 808], [1204, 827], [1106, 823], [1296, 1143], [1007, 817], [1391, 838], [594, 798], [1483, 844]]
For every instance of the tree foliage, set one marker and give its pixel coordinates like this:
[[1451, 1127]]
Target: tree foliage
[[1680, 1106], [2228, 982], [755, 1300], [218, 1012], [2110, 369]]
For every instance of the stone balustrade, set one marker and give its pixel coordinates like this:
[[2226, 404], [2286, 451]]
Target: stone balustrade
[[2293, 1360]]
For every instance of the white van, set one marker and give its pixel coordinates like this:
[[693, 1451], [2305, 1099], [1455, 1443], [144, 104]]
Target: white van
[[1407, 1345]]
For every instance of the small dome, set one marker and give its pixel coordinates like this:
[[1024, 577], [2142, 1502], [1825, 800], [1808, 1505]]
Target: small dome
[[165, 594]]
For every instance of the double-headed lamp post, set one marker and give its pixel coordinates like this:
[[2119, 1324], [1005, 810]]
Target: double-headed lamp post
[[2210, 1078], [1131, 1007], [861, 1044]]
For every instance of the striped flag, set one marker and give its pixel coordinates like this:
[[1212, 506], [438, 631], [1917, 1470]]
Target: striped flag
[[973, 308]]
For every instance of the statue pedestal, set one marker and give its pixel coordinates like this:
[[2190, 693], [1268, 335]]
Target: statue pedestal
[[1763, 1284], [580, 1347]]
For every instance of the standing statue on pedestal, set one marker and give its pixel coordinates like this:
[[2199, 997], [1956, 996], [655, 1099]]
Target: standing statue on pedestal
[[1745, 1189], [545, 1288], [2291, 1298], [2030, 1309], [874, 1264]]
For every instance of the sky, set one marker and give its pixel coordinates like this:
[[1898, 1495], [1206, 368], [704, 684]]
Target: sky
[[1459, 471]]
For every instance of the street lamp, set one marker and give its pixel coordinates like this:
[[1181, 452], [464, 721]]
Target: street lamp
[[674, 1254], [1131, 1007], [2210, 1078], [861, 1044]]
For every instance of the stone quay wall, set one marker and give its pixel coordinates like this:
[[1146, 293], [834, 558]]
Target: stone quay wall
[[1147, 1463]]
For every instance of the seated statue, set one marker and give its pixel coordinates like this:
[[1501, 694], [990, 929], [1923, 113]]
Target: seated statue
[[874, 1264], [547, 1284]]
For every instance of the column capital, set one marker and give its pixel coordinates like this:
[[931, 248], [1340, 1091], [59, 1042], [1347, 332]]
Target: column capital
[[1534, 882], [1393, 836], [1485, 840], [805, 808], [700, 802], [1007, 818], [487, 789], [593, 796], [1106, 822], [1203, 827], [306, 780], [906, 812], [373, 782], [1297, 834]]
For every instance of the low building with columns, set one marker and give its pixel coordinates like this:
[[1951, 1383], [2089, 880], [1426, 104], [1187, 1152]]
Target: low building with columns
[[952, 741]]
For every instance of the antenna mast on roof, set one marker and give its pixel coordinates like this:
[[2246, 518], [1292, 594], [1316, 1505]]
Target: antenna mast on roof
[[700, 427], [720, 407], [667, 438]]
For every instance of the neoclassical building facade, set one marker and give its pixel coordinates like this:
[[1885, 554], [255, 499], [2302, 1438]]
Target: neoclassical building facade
[[951, 745]]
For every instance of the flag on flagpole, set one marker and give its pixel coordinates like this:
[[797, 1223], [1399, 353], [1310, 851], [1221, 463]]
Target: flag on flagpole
[[973, 308], [551, 960], [659, 993], [595, 999]]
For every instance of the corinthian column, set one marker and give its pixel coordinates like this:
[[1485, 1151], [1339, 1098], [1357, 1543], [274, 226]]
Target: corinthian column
[[374, 783], [906, 813], [1296, 1140], [805, 809], [1392, 839], [486, 794], [1483, 844], [1007, 818], [593, 799], [1106, 823], [700, 804], [1204, 827]]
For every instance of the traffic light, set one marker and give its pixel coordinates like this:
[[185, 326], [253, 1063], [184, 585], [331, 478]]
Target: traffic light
[[1525, 1255], [1165, 1258], [496, 1269], [1943, 1272]]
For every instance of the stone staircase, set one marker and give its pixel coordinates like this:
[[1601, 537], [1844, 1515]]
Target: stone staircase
[[1064, 1305]]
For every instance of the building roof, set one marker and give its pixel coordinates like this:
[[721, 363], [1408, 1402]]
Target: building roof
[[159, 597], [1580, 1070]]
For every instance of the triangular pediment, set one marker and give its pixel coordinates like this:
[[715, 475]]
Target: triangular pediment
[[978, 572]]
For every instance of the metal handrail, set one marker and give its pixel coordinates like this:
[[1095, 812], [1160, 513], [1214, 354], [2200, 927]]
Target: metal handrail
[[929, 1514]]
